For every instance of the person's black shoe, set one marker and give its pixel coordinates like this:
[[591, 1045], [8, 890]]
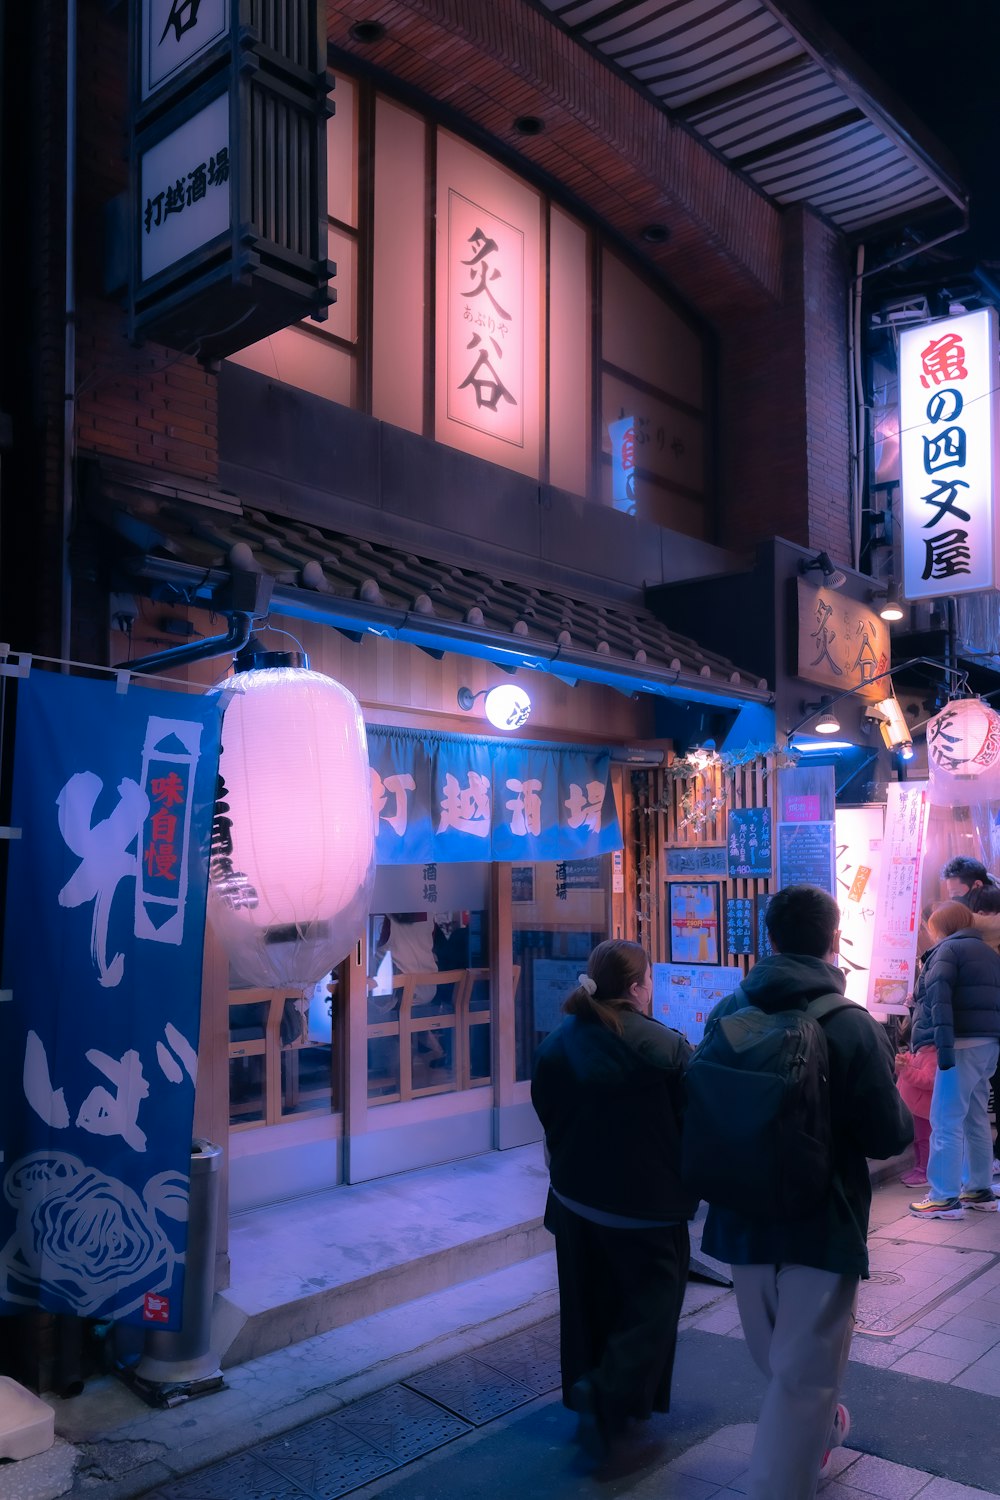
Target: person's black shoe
[[591, 1434]]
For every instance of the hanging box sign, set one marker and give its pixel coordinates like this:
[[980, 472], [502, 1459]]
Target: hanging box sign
[[227, 206]]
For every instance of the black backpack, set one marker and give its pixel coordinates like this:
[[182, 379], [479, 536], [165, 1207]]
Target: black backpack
[[757, 1134]]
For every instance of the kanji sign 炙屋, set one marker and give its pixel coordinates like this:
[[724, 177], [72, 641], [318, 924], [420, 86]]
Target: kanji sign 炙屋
[[947, 409]]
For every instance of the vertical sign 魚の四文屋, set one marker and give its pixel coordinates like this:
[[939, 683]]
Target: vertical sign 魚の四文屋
[[948, 430]]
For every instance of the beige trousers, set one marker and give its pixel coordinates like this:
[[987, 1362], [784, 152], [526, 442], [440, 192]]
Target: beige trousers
[[798, 1323]]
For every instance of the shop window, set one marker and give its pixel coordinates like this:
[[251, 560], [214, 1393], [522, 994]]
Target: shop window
[[282, 1047], [429, 994], [559, 915]]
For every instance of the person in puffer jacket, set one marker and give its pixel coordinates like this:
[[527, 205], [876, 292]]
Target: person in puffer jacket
[[957, 1009]]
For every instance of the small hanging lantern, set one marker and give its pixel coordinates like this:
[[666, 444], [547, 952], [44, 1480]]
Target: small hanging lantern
[[963, 753], [293, 841]]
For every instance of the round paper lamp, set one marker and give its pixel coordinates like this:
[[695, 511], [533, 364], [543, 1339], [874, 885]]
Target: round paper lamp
[[963, 753], [293, 840], [507, 706]]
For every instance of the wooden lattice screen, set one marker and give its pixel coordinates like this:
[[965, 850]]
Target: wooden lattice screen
[[661, 805]]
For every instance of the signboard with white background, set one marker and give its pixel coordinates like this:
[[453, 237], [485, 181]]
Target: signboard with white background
[[948, 431], [173, 33]]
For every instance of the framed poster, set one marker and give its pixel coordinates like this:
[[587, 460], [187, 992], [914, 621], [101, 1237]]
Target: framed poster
[[693, 918], [684, 997]]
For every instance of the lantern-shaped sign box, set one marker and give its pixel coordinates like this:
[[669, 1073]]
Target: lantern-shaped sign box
[[293, 841], [963, 753]]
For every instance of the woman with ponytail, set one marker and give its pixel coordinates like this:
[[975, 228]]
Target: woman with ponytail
[[606, 1086]]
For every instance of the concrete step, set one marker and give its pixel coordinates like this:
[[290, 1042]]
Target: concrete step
[[302, 1268]]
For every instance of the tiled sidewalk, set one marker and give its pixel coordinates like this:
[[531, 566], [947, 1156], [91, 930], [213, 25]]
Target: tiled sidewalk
[[716, 1469], [932, 1307]]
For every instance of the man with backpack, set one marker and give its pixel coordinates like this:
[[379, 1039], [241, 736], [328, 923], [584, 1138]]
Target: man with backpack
[[789, 1094]]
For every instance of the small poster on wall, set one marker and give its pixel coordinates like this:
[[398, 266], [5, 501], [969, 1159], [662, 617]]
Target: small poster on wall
[[684, 997], [693, 915]]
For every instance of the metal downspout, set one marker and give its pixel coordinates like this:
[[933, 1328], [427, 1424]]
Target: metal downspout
[[236, 638], [69, 357]]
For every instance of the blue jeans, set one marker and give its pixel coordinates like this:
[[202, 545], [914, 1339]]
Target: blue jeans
[[961, 1155]]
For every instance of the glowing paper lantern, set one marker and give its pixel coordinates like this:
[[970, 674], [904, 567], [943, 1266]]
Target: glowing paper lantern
[[507, 706], [293, 841], [963, 753]]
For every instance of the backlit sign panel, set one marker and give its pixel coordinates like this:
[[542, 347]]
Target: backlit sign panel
[[947, 403], [174, 33]]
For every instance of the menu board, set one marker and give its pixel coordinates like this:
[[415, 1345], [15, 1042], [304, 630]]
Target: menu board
[[684, 995], [748, 839], [739, 924], [806, 855]]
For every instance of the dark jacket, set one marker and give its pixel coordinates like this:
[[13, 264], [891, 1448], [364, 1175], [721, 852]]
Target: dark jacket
[[611, 1110], [957, 995], [868, 1119]]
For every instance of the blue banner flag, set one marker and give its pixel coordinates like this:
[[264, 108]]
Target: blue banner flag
[[103, 934], [448, 799]]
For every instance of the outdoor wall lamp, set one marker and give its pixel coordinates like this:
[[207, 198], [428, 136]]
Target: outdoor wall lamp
[[826, 720], [833, 577], [891, 608], [507, 706]]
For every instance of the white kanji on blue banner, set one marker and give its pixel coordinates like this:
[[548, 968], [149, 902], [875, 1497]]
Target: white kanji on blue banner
[[103, 935]]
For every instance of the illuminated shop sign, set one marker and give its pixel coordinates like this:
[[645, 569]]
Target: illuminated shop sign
[[947, 401]]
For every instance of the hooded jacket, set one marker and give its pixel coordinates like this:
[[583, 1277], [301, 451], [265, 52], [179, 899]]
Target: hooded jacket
[[957, 994], [611, 1110], [868, 1119]]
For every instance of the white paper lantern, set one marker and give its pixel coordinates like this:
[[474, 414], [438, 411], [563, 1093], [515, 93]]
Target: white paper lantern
[[293, 841], [963, 753], [507, 706]]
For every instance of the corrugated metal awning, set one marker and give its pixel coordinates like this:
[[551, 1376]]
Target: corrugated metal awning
[[774, 94]]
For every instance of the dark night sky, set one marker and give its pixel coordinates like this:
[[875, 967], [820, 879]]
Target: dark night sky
[[943, 61]]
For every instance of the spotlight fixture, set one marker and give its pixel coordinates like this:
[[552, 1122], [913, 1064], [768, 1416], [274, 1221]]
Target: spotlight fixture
[[529, 125], [654, 234], [826, 720], [507, 706], [891, 720], [891, 608], [833, 577]]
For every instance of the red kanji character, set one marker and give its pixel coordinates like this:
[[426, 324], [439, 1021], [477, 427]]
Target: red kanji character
[[160, 860], [163, 825], [943, 360], [169, 790]]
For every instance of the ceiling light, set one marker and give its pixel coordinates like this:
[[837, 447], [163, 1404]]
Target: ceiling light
[[654, 234], [529, 125], [367, 32]]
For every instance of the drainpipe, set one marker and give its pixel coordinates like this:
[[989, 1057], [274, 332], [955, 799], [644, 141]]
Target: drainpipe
[[69, 359], [234, 640]]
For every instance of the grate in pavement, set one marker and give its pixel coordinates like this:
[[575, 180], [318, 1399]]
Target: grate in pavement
[[400, 1423], [325, 1458], [471, 1388], [530, 1357], [246, 1475]]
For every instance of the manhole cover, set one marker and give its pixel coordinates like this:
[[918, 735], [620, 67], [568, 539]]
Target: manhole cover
[[922, 1277]]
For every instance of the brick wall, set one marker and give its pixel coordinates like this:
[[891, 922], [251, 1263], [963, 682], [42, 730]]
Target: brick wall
[[784, 449]]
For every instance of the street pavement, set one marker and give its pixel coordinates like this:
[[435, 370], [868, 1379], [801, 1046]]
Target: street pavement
[[455, 1395]]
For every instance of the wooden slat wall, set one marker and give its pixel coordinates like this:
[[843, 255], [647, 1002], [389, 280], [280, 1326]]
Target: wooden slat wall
[[654, 821]]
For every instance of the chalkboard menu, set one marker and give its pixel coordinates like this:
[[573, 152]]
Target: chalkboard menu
[[739, 925], [697, 861], [749, 842], [764, 949], [806, 855]]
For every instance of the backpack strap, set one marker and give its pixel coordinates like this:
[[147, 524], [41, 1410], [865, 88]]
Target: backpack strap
[[826, 1006]]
